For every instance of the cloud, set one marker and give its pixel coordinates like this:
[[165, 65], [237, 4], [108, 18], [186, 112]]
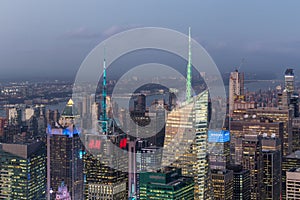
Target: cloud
[[117, 29], [85, 33], [282, 47], [81, 33]]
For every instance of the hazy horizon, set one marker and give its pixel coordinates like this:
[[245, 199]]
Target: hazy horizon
[[51, 39]]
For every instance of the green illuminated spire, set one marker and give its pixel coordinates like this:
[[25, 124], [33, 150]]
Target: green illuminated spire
[[188, 72]]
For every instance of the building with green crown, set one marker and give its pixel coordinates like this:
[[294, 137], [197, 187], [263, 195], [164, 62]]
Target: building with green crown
[[166, 184]]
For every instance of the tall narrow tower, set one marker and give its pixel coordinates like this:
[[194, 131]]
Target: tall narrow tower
[[103, 117], [188, 72]]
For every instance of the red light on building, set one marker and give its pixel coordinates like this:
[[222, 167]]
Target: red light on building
[[95, 144], [123, 143]]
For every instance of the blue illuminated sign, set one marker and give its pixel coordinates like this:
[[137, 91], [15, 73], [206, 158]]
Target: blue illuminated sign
[[218, 136]]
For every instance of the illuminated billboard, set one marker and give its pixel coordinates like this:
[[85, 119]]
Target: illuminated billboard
[[218, 136]]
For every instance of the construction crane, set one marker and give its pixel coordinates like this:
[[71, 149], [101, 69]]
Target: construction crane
[[241, 64]]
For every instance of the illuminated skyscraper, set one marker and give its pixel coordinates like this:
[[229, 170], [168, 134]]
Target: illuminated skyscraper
[[222, 182], [104, 167], [23, 171], [288, 98], [289, 80], [271, 155], [252, 160], [293, 184], [248, 125], [241, 182], [289, 162], [64, 152], [188, 124], [219, 149], [166, 184], [185, 144], [273, 114], [236, 88]]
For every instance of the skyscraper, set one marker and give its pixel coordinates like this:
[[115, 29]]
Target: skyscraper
[[289, 162], [219, 149], [103, 182], [104, 167], [64, 155], [251, 124], [289, 80], [241, 182], [273, 115], [271, 155], [222, 182], [166, 184], [185, 144], [188, 124], [236, 88], [252, 160], [293, 184], [288, 98], [23, 171]]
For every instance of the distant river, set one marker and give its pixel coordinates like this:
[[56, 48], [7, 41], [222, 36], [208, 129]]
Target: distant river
[[60, 106]]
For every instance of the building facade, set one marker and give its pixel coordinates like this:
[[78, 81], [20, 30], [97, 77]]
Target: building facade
[[23, 171], [166, 184]]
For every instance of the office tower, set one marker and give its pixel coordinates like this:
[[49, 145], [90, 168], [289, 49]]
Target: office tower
[[14, 116], [236, 88], [251, 125], [166, 184], [252, 160], [103, 182], [222, 182], [140, 103], [289, 80], [289, 162], [293, 184], [64, 155], [241, 182], [3, 123], [296, 134], [274, 114], [188, 124], [23, 171], [172, 100], [148, 159], [219, 159], [219, 148], [104, 166], [52, 116], [288, 98], [271, 155]]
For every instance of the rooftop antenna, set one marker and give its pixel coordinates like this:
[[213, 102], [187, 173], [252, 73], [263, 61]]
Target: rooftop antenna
[[241, 64], [104, 94], [189, 73]]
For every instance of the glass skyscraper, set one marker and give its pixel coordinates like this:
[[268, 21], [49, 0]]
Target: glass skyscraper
[[23, 171]]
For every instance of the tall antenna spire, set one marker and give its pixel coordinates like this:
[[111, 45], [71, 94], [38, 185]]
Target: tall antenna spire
[[188, 72], [104, 93]]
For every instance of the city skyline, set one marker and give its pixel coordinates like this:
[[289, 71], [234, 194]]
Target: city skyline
[[123, 100]]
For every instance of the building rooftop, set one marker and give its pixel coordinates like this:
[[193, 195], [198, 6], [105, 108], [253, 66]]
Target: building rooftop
[[21, 150]]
